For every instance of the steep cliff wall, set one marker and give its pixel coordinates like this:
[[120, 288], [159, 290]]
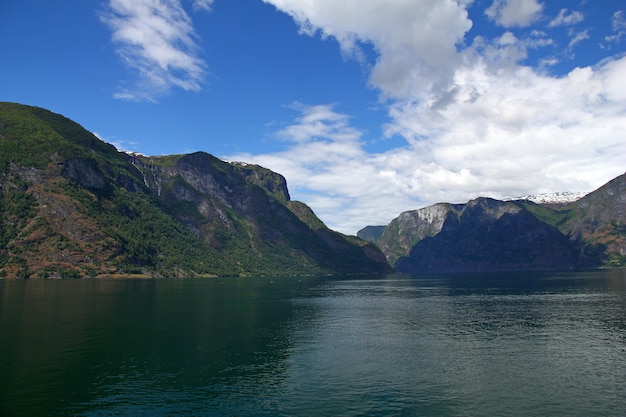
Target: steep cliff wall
[[489, 235]]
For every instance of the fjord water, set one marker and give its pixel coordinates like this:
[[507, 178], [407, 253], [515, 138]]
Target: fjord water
[[522, 344]]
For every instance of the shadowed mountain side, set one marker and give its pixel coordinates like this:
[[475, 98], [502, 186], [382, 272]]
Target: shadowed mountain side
[[489, 235]]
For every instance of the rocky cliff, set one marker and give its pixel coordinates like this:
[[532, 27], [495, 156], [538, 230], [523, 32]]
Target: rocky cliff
[[488, 235], [413, 226], [491, 235]]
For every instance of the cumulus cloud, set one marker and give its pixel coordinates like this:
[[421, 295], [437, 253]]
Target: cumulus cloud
[[475, 120], [567, 19], [514, 13], [156, 39], [415, 41], [515, 130]]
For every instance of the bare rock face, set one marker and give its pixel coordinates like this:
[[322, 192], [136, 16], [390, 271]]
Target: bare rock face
[[412, 226], [84, 171]]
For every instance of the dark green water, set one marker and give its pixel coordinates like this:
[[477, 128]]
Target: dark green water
[[473, 345]]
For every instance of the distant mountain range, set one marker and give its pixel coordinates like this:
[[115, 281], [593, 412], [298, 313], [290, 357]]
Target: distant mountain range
[[73, 206], [556, 231]]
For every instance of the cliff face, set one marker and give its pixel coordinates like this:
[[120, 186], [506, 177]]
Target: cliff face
[[72, 206], [489, 235], [411, 227]]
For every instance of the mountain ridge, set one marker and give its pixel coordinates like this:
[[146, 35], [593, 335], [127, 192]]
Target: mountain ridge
[[73, 206], [489, 235]]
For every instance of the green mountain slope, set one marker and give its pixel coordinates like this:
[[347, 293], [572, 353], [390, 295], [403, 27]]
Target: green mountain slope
[[72, 206], [596, 224]]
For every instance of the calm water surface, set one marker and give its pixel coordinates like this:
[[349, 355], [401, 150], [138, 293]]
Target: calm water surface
[[524, 344]]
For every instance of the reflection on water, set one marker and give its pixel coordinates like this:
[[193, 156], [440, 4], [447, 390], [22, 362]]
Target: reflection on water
[[496, 344]]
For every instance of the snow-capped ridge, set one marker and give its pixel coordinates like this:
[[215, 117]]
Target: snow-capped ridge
[[564, 197]]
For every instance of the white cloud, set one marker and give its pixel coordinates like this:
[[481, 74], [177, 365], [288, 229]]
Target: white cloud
[[506, 133], [514, 13], [515, 130], [618, 23], [476, 121], [548, 62], [565, 19], [205, 5], [156, 39], [319, 122], [578, 37], [416, 41]]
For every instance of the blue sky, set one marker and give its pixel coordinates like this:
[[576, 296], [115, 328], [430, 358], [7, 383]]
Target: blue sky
[[367, 107]]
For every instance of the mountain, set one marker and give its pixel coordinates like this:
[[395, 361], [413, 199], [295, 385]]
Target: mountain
[[487, 235], [596, 225], [492, 235], [73, 206], [413, 226]]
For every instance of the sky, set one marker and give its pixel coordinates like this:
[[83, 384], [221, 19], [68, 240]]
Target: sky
[[368, 107]]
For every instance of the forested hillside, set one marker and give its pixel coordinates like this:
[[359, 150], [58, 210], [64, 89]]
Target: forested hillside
[[73, 206]]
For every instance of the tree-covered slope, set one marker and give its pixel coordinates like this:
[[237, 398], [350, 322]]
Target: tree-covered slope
[[72, 205]]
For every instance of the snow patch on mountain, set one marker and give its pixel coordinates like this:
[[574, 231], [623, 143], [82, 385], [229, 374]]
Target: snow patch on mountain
[[564, 197]]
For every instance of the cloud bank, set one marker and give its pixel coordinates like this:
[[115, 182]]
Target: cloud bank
[[476, 121]]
